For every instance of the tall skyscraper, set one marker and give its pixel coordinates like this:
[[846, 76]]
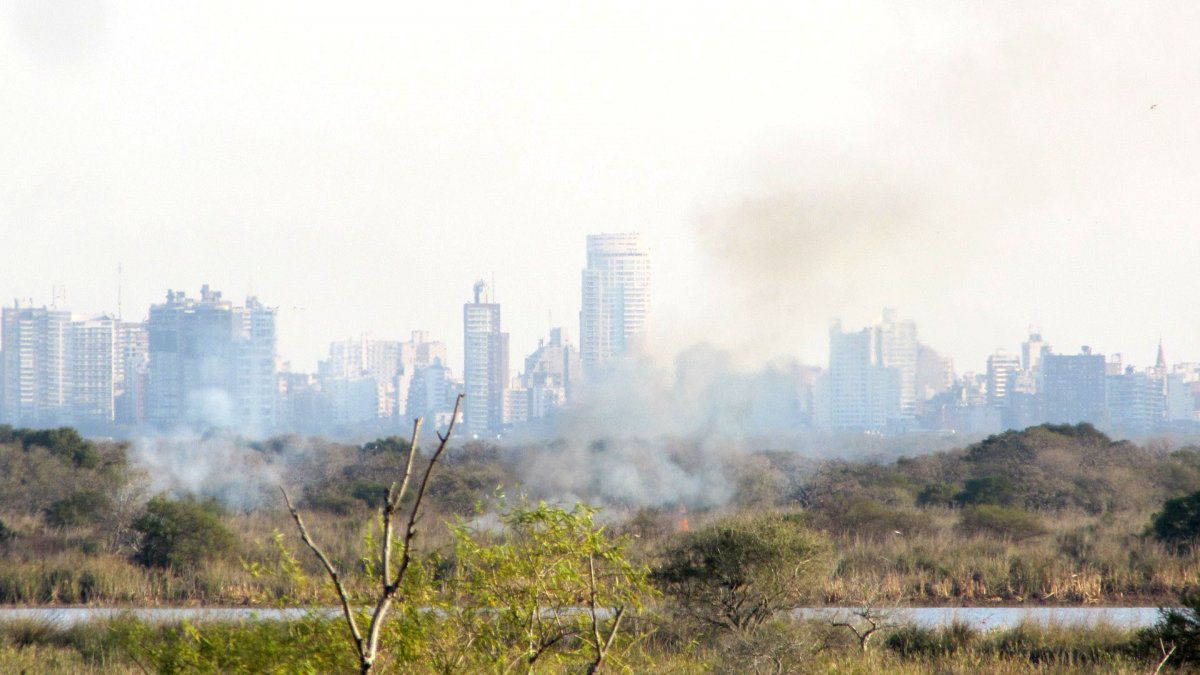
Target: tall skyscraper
[[485, 369], [211, 363], [616, 297]]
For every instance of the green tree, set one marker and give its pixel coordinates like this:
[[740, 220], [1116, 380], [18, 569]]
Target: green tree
[[551, 585], [737, 573], [181, 534]]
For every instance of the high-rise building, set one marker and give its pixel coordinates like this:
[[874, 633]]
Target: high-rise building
[[131, 368], [211, 363], [897, 344], [1032, 351], [485, 369], [1183, 393], [256, 387], [1074, 388], [1136, 401], [91, 357], [1002, 372], [432, 392], [551, 373], [861, 392], [616, 297], [872, 378], [33, 341]]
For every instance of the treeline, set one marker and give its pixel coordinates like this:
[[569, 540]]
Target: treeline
[[1051, 514]]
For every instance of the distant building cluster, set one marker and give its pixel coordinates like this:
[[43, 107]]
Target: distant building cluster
[[883, 379], [199, 362]]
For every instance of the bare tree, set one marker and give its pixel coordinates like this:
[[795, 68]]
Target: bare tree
[[868, 620], [367, 646]]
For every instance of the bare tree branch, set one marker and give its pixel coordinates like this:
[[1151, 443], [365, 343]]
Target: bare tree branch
[[368, 649], [347, 611]]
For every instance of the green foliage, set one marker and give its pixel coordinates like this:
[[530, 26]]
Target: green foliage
[[304, 645], [937, 494], [64, 442], [550, 586], [1178, 524], [181, 534], [1178, 628], [911, 640], [6, 533], [394, 445], [737, 573], [79, 508], [997, 490], [370, 493], [1001, 521]]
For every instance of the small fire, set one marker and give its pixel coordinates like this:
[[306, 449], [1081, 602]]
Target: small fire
[[683, 525]]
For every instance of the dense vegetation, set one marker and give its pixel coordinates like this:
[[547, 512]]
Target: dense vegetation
[[1051, 514]]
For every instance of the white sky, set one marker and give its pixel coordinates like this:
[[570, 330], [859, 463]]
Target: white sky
[[979, 166]]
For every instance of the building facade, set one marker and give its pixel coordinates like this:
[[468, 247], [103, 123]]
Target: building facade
[[485, 367], [615, 307]]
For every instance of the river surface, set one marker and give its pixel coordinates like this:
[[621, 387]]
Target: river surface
[[983, 618]]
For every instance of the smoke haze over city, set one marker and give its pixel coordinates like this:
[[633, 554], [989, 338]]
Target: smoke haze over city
[[983, 169]]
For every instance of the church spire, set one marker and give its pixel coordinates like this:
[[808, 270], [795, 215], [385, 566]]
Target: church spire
[[1161, 363]]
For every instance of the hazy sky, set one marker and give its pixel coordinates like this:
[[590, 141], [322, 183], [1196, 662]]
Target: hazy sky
[[980, 166]]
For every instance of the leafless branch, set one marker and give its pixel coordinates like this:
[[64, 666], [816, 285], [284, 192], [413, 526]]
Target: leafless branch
[[330, 570], [368, 649]]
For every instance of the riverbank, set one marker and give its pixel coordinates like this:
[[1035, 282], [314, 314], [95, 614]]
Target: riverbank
[[654, 644]]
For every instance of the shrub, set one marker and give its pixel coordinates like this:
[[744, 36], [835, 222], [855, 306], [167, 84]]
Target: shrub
[[737, 573], [911, 640], [6, 533], [1002, 521], [864, 517], [988, 490], [1178, 628], [1178, 523], [181, 534], [65, 443], [937, 494], [79, 508]]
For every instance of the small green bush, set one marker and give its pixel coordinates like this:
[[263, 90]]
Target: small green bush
[[181, 534], [1178, 524], [79, 508], [996, 490]]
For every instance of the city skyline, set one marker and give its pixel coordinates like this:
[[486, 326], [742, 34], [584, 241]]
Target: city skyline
[[911, 157], [204, 361]]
